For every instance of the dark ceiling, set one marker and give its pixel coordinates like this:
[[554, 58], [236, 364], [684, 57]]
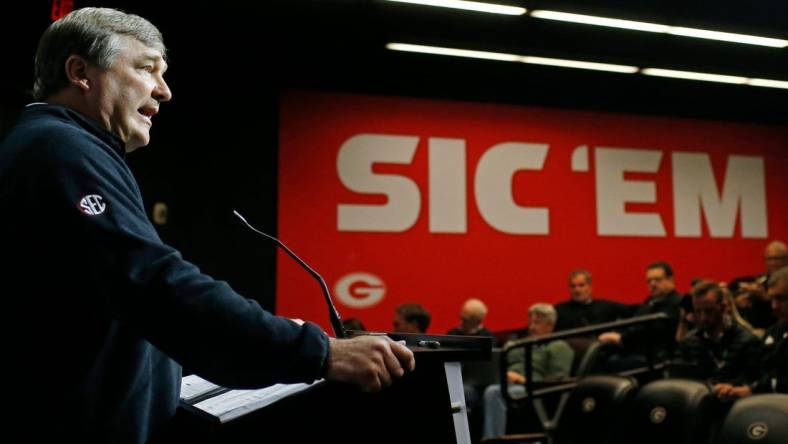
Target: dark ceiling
[[338, 45]]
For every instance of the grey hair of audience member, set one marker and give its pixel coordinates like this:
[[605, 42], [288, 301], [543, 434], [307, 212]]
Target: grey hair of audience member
[[544, 310]]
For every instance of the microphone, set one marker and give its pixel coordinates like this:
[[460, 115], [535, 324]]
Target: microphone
[[333, 314]]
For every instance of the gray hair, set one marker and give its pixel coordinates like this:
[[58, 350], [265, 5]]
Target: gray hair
[[544, 310], [92, 33], [777, 276]]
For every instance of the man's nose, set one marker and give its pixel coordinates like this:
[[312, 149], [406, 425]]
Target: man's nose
[[162, 91]]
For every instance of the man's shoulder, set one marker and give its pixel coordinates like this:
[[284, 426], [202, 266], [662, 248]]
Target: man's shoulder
[[568, 305], [674, 298], [51, 136], [776, 332], [558, 344], [607, 303], [742, 335]]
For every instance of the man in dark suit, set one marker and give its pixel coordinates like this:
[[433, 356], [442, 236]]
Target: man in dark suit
[[582, 309]]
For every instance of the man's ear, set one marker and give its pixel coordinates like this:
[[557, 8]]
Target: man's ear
[[77, 72]]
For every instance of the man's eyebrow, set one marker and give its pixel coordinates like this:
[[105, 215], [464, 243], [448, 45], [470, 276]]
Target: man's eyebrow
[[156, 59]]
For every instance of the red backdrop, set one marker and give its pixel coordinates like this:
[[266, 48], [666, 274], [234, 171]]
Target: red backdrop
[[476, 258]]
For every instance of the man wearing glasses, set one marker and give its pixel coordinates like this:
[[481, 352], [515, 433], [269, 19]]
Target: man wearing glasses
[[657, 339]]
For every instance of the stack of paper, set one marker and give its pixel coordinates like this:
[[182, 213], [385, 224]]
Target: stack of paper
[[227, 405]]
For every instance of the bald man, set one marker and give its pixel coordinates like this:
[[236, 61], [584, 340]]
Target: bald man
[[751, 295], [472, 317], [775, 256]]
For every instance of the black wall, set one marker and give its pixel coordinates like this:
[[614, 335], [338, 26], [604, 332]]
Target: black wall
[[214, 146]]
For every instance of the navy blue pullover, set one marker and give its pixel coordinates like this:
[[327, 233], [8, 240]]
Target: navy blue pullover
[[100, 314]]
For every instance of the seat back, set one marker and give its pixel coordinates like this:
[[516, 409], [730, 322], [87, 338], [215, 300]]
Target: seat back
[[761, 419], [482, 373], [587, 354], [675, 411], [594, 409]]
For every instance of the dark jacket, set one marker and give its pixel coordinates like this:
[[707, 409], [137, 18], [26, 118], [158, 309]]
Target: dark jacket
[[658, 337], [107, 312], [774, 364], [573, 314], [733, 359]]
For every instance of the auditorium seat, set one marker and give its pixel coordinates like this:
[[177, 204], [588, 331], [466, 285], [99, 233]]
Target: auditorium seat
[[593, 413], [542, 414], [590, 415], [761, 419], [672, 411], [586, 355]]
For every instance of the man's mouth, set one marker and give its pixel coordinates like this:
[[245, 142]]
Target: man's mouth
[[148, 112]]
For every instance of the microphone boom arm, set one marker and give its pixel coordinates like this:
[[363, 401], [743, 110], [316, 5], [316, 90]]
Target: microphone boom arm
[[333, 314]]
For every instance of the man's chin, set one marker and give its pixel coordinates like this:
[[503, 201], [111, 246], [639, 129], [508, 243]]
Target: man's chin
[[135, 143]]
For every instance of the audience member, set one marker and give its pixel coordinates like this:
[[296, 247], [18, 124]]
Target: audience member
[[658, 339], [353, 324], [411, 318], [686, 319], [775, 256], [550, 361], [472, 317], [774, 363], [750, 292], [719, 350], [582, 309]]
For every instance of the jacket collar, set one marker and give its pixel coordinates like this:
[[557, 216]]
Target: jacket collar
[[88, 124]]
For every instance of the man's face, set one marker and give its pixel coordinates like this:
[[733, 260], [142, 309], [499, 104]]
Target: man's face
[[539, 325], [469, 320], [778, 294], [775, 258], [579, 288], [126, 96], [658, 283], [708, 312]]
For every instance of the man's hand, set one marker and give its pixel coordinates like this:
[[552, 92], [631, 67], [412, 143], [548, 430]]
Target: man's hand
[[743, 300], [752, 290], [730, 392], [371, 362], [515, 377], [610, 337], [685, 317]]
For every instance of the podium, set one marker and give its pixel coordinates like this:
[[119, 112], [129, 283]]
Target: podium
[[427, 405]]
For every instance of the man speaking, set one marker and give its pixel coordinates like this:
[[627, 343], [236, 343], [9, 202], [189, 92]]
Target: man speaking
[[110, 313]]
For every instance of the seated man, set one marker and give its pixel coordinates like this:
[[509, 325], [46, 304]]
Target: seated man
[[774, 362], [472, 317], [411, 318], [657, 340], [718, 350], [582, 309], [751, 293], [551, 361]]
